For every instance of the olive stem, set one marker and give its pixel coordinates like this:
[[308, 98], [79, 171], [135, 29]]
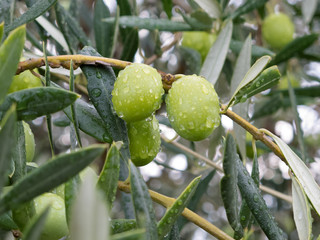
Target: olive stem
[[187, 213], [219, 168]]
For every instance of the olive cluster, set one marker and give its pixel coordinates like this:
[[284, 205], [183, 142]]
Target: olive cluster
[[192, 107]]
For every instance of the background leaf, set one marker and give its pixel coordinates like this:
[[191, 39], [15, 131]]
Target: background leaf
[[33, 12], [215, 59], [211, 7], [301, 210], [109, 175], [89, 121], [36, 102], [308, 9], [247, 7], [242, 66], [251, 193], [35, 227], [7, 141], [10, 53], [168, 220], [48, 176], [142, 202], [228, 186], [89, 213], [301, 171]]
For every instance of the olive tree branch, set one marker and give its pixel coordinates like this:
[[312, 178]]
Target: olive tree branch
[[190, 215]]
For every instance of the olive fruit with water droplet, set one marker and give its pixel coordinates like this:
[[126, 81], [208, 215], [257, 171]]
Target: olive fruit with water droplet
[[56, 225], [137, 92], [144, 140], [193, 107], [277, 30]]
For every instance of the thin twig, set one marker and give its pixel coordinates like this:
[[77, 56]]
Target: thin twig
[[190, 215], [219, 168]]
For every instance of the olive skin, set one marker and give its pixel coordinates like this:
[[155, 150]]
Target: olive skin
[[137, 92], [193, 107], [144, 140], [277, 30]]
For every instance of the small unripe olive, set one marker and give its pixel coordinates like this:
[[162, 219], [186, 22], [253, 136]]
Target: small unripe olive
[[277, 30], [199, 40], [24, 80], [144, 140], [56, 225], [193, 107], [137, 92]]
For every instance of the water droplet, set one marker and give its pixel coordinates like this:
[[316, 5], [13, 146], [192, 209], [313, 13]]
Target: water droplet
[[209, 122], [258, 84], [256, 198], [98, 74], [204, 89], [146, 71], [191, 125], [126, 90], [179, 202], [150, 91], [171, 119], [105, 137], [125, 78], [96, 92], [182, 127], [243, 218]]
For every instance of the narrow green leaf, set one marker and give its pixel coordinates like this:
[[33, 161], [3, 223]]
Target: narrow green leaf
[[90, 218], [243, 64], [100, 85], [122, 225], [301, 210], [70, 39], [32, 13], [297, 119], [131, 45], [167, 221], [137, 234], [216, 57], [6, 11], [192, 60], [34, 229], [36, 102], [174, 234], [71, 25], [167, 7], [253, 72], [257, 51], [200, 191], [228, 185], [108, 179], [211, 7], [309, 8], [301, 171], [198, 19], [19, 153], [50, 175], [89, 121], [247, 7], [251, 193], [1, 31], [71, 189], [10, 53], [104, 32], [53, 31], [74, 117], [152, 24], [267, 79], [7, 223], [313, 91], [142, 202], [7, 141], [294, 47]]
